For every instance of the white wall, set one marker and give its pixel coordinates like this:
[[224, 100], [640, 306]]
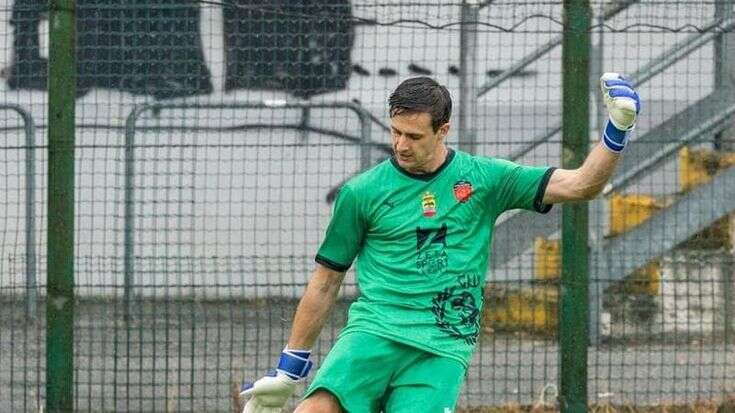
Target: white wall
[[255, 214]]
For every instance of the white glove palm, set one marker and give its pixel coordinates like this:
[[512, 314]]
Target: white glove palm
[[623, 105], [269, 394], [621, 100]]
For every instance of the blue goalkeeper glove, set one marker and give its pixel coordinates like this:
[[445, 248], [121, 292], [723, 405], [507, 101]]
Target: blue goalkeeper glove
[[623, 105], [271, 393]]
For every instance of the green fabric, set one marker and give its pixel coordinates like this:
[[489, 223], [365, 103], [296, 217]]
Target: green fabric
[[422, 246], [368, 373]]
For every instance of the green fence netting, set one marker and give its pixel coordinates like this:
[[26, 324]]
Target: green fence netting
[[211, 137]]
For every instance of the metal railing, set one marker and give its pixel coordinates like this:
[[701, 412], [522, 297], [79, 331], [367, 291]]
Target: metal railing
[[613, 11], [30, 203], [644, 74], [710, 126], [364, 140]]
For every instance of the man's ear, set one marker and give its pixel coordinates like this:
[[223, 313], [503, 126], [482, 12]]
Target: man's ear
[[444, 130]]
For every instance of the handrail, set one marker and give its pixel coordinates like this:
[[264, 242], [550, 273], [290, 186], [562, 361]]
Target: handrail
[[536, 54], [30, 201], [681, 50], [692, 134], [697, 209], [644, 74], [130, 129]]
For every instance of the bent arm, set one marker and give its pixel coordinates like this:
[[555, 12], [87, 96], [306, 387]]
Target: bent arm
[[585, 182], [314, 307]]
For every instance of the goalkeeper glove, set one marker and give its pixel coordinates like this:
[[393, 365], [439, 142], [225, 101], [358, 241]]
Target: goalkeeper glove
[[623, 105], [270, 393]]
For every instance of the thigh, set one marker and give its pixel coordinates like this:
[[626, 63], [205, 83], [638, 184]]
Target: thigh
[[430, 384], [357, 371]]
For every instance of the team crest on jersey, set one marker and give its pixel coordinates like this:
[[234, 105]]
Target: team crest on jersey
[[428, 204], [463, 191]]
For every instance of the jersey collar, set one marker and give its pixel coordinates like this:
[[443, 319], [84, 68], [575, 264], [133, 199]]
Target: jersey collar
[[429, 176]]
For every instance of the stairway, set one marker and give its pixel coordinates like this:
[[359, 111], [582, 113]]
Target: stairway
[[698, 122], [688, 215]]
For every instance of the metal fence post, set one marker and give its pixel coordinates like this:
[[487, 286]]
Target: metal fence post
[[728, 285], [725, 140], [61, 145], [30, 172], [597, 206], [366, 160], [129, 214], [468, 76], [573, 324]]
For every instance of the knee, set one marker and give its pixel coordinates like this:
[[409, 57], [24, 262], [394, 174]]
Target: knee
[[321, 401]]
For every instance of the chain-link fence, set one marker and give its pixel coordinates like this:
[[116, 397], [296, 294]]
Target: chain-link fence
[[211, 138]]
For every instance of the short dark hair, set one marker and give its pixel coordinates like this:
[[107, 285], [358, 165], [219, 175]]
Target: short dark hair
[[422, 94]]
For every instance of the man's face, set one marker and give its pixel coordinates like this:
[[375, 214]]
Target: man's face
[[416, 146]]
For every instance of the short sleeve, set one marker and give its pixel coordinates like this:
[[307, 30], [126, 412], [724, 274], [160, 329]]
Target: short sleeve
[[345, 232], [524, 187]]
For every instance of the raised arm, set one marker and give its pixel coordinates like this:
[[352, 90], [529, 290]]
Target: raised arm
[[587, 181]]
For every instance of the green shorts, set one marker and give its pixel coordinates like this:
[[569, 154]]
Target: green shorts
[[369, 374]]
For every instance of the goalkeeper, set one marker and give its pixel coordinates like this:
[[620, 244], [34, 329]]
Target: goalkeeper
[[420, 225]]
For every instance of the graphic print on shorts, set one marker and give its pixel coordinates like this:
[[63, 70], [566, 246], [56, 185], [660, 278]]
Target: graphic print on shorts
[[457, 308], [431, 250]]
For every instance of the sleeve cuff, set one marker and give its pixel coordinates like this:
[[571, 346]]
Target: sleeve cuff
[[538, 204], [331, 264]]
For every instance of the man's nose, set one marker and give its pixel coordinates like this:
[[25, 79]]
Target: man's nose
[[401, 142]]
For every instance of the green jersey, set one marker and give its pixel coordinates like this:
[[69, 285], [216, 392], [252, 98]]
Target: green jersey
[[422, 244]]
